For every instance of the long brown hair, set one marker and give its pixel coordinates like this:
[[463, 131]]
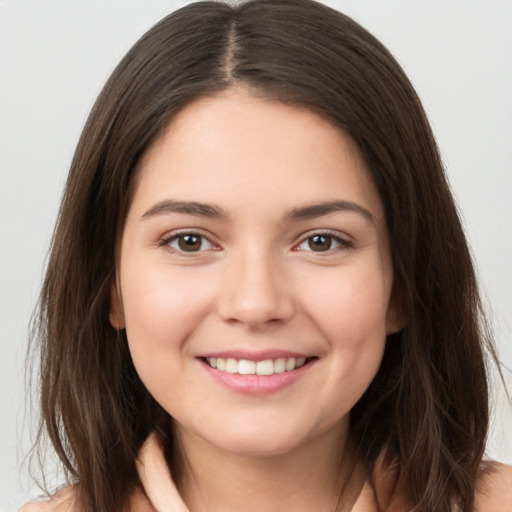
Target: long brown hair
[[429, 400]]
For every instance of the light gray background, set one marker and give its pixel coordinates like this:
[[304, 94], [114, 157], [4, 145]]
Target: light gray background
[[55, 56]]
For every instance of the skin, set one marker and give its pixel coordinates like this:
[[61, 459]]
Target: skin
[[255, 283]]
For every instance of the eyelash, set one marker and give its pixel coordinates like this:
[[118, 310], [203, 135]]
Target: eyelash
[[334, 236], [343, 243], [167, 240]]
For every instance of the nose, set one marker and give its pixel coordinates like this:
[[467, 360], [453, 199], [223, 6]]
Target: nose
[[257, 292]]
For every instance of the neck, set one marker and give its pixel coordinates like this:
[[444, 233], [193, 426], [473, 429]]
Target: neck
[[319, 476]]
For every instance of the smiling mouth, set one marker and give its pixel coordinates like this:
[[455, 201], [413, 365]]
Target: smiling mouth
[[265, 367]]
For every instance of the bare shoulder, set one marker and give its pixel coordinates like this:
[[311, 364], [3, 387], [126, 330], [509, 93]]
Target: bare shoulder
[[494, 488], [63, 501]]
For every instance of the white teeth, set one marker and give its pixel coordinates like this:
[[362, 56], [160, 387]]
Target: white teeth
[[246, 367], [266, 367], [290, 364], [232, 365], [280, 365]]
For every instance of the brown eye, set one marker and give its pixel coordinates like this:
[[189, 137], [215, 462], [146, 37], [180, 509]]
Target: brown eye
[[320, 243], [189, 242], [323, 242]]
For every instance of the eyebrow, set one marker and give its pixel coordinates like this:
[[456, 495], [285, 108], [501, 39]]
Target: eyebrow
[[310, 211], [187, 207], [325, 208]]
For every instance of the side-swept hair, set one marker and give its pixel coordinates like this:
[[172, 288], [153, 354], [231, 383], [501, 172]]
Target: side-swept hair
[[429, 400]]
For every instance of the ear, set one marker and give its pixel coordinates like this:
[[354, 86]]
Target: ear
[[116, 314], [396, 316]]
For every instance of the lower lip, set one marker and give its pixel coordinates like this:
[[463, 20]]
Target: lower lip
[[257, 384]]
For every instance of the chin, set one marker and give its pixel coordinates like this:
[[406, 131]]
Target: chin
[[259, 447], [261, 441]]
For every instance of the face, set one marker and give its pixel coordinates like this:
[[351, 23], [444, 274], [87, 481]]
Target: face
[[254, 276]]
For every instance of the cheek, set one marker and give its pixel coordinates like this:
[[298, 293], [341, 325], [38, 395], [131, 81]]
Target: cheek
[[350, 309], [350, 305], [161, 308]]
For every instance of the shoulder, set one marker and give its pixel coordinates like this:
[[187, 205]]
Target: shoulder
[[63, 501], [494, 488]]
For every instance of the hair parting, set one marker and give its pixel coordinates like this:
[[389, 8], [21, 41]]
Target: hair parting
[[428, 403]]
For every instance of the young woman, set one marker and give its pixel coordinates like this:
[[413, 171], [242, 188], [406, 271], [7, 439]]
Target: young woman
[[259, 283]]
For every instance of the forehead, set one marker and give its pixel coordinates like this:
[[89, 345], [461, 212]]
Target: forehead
[[241, 149]]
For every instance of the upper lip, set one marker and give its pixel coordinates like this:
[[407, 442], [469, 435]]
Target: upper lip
[[260, 355]]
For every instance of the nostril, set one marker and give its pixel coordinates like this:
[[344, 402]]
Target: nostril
[[253, 312]]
